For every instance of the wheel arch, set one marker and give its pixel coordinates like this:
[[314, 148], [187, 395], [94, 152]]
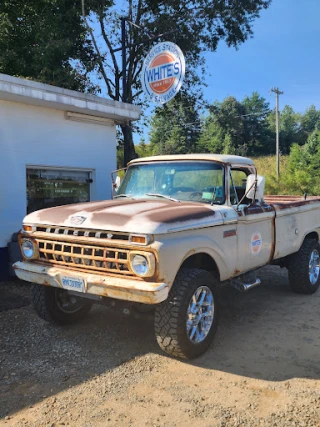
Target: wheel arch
[[201, 260], [313, 235]]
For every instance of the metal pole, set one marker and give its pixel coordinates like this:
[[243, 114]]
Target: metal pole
[[277, 136], [126, 142], [124, 59], [277, 92]]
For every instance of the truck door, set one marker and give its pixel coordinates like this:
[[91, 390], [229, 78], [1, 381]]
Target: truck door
[[255, 228]]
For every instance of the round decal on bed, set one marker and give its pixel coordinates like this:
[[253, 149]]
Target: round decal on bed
[[256, 243]]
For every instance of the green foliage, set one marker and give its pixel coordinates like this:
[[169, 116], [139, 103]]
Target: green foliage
[[257, 134], [290, 128], [227, 145], [237, 127], [45, 40], [310, 120], [299, 171], [244, 128], [175, 127], [142, 149]]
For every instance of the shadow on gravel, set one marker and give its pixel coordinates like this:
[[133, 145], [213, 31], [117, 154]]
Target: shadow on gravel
[[9, 300], [38, 360], [268, 333]]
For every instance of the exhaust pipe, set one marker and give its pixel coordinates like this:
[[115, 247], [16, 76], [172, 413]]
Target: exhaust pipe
[[244, 287]]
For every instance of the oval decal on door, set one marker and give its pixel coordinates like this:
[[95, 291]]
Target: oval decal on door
[[256, 243]]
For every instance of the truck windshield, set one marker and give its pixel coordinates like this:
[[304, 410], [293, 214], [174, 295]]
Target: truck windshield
[[184, 180]]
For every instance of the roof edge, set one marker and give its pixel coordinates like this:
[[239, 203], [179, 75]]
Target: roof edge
[[30, 92], [223, 158]]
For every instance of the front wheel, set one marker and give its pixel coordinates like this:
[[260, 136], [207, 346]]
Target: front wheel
[[304, 268], [185, 324], [56, 305]]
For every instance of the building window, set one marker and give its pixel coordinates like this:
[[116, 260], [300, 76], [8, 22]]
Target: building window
[[54, 187]]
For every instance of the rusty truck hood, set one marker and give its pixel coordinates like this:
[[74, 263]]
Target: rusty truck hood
[[143, 216]]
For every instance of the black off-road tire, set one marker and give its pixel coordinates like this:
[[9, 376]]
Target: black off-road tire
[[171, 315], [46, 306], [298, 268]]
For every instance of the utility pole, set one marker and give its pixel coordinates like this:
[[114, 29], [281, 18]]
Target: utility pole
[[277, 92]]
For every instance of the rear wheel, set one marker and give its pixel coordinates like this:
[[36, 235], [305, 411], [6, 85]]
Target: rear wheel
[[304, 268], [185, 324], [57, 305]]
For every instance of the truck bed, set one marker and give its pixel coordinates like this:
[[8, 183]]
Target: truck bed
[[285, 202], [295, 218]]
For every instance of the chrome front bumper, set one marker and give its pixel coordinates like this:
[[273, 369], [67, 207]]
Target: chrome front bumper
[[107, 286]]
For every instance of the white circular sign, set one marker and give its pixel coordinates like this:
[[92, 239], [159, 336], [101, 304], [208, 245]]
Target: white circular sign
[[163, 72]]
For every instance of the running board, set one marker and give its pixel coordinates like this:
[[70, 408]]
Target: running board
[[244, 287]]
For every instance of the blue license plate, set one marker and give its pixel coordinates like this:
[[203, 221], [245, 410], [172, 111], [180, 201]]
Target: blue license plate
[[73, 283]]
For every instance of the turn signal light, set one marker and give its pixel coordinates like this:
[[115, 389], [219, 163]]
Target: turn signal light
[[27, 227], [139, 239]]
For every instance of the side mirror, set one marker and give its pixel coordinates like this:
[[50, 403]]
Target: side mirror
[[116, 179], [117, 183], [255, 190]]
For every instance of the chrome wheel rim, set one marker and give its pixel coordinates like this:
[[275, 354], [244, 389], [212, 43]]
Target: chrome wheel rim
[[314, 267], [67, 303], [200, 315]]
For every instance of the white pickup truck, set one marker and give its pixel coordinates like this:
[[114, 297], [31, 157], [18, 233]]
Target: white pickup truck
[[178, 228]]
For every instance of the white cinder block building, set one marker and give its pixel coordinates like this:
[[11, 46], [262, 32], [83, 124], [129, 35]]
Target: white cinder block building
[[56, 146]]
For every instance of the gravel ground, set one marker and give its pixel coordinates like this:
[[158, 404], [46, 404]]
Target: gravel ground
[[262, 370]]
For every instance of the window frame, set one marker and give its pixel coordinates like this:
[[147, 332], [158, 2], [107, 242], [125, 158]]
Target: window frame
[[90, 171]]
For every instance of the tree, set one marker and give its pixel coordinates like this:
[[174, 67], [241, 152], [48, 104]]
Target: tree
[[227, 145], [312, 154], [289, 129], [310, 120], [200, 26], [257, 134], [46, 40], [143, 149], [175, 127], [224, 126]]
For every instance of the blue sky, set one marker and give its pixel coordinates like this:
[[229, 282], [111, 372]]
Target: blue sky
[[284, 52]]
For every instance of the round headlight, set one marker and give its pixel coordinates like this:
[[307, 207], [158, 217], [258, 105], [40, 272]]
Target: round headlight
[[140, 265], [28, 249]]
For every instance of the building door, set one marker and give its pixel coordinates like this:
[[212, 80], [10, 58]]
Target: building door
[[48, 187]]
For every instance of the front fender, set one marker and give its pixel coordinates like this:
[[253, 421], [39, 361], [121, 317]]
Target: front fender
[[173, 251]]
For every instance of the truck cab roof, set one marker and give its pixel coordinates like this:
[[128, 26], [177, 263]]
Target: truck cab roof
[[222, 158]]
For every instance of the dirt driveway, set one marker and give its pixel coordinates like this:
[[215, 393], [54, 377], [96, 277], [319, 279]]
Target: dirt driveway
[[263, 369]]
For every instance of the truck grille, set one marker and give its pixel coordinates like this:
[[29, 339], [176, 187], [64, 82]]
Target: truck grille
[[98, 258], [80, 232]]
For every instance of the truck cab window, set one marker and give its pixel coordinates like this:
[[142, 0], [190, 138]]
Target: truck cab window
[[238, 182]]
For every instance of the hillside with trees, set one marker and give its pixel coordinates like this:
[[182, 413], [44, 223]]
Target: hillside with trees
[[247, 128]]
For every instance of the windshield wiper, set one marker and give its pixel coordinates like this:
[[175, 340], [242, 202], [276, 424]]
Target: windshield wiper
[[123, 195], [163, 197]]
